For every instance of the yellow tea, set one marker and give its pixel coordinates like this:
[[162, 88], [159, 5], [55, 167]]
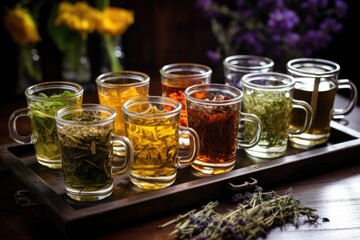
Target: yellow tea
[[155, 143]]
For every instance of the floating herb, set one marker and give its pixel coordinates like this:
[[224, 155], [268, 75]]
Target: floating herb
[[255, 215]]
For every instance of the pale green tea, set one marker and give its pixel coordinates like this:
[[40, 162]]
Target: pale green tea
[[42, 114]]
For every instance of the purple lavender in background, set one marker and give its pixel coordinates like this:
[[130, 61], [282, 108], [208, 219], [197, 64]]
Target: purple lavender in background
[[279, 29]]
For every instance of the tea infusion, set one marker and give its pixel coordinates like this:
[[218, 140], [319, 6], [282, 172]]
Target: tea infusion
[[217, 127], [177, 92], [86, 154], [274, 111], [115, 97], [43, 124], [155, 142]]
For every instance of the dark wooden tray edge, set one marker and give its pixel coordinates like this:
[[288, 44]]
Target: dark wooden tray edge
[[181, 196]]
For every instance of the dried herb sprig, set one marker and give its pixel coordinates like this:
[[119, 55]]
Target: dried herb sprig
[[255, 214]]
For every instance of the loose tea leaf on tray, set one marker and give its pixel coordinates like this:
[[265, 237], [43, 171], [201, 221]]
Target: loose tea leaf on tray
[[255, 215]]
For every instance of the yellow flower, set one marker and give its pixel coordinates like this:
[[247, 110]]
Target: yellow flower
[[115, 21], [79, 17], [21, 26]]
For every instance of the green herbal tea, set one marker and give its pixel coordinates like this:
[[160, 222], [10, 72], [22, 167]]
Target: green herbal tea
[[274, 110], [155, 142], [86, 154], [42, 114]]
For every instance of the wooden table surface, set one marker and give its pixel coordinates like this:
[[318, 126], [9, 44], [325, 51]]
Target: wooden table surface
[[334, 194]]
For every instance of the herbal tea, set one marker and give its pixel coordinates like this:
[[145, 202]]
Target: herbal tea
[[269, 96], [86, 156], [317, 82], [175, 78], [155, 143], [320, 127], [43, 101], [114, 97], [42, 114], [176, 90], [217, 127], [274, 111], [114, 88], [87, 140], [152, 125]]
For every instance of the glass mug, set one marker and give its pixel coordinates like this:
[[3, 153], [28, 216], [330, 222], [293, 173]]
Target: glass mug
[[237, 66], [175, 78], [153, 125], [214, 112], [114, 88], [86, 140], [43, 101], [317, 83], [270, 96]]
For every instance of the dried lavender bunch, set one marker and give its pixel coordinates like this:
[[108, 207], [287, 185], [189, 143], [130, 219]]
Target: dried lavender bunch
[[256, 214]]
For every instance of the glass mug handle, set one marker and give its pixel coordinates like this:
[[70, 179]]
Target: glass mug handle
[[308, 116], [123, 163], [191, 142], [346, 84], [252, 118], [13, 132]]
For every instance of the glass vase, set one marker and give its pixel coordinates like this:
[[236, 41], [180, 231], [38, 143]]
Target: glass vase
[[113, 54], [76, 63], [29, 68]]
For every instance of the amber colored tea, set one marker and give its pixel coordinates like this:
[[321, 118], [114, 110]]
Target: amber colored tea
[[175, 78], [322, 115], [114, 88], [115, 97], [175, 89], [217, 127]]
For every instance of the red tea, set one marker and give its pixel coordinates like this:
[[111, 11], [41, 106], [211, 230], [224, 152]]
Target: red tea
[[177, 92], [217, 127]]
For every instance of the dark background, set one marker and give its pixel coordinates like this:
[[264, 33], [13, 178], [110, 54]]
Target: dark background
[[165, 32]]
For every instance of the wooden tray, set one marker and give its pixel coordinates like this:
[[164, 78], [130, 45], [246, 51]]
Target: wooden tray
[[128, 204]]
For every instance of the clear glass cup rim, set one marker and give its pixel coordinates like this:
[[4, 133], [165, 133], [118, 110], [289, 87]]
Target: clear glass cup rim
[[109, 111], [214, 87], [177, 106], [268, 81], [230, 62], [330, 68], [143, 79], [77, 89], [168, 70]]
